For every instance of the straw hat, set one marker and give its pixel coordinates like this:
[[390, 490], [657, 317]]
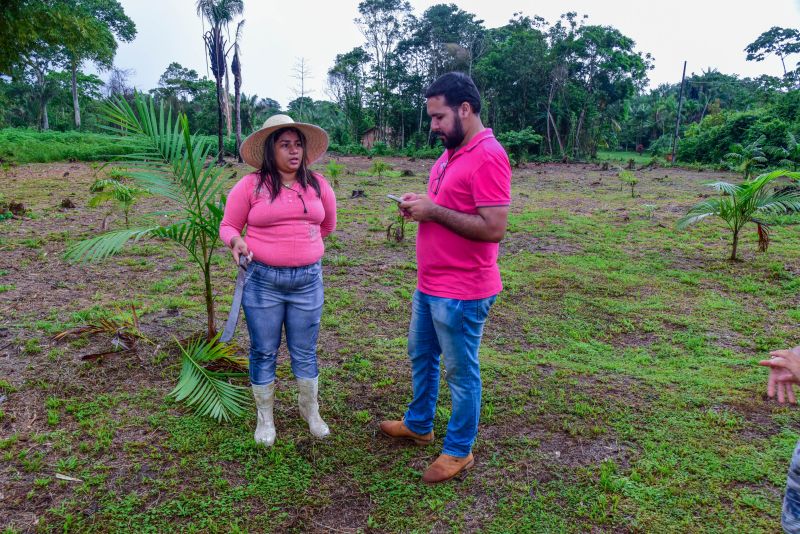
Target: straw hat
[[252, 149]]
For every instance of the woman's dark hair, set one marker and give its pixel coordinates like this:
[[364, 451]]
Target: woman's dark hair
[[456, 87], [270, 178]]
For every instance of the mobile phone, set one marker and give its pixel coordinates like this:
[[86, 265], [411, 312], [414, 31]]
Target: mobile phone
[[395, 198]]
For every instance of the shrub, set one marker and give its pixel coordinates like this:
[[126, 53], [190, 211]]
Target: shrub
[[520, 144]]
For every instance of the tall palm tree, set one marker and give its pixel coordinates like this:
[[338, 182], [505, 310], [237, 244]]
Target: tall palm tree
[[236, 69], [218, 14]]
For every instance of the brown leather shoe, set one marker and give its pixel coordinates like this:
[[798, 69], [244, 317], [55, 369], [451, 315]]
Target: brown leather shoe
[[398, 430], [446, 467]]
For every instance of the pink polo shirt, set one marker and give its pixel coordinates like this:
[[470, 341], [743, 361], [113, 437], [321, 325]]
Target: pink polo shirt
[[448, 265], [279, 233]]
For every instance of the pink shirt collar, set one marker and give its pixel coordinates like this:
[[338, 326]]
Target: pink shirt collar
[[484, 134]]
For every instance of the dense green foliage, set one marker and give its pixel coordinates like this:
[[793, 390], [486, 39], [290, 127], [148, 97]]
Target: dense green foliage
[[719, 111], [20, 145], [577, 87]]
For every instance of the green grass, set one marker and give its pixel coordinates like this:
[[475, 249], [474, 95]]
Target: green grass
[[621, 391], [623, 157], [21, 145]]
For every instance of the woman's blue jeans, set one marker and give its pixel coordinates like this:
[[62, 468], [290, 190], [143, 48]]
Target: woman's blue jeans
[[275, 298], [451, 328]]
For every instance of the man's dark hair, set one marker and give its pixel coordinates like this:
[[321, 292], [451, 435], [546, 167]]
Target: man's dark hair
[[456, 87]]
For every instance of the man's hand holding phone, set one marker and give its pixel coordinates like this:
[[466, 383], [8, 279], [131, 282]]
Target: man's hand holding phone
[[405, 197]]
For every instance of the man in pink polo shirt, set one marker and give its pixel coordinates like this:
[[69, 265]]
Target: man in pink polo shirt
[[462, 218]]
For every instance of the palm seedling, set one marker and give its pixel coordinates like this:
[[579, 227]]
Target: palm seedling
[[113, 190], [749, 202], [178, 166], [396, 229], [629, 179], [379, 168], [334, 170]]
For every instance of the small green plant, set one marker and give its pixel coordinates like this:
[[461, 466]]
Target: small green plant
[[649, 210], [114, 190], [334, 170], [379, 167], [397, 229], [748, 202], [629, 179]]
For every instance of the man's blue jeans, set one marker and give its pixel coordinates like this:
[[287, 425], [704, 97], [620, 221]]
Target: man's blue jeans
[[451, 328], [278, 297], [790, 515]]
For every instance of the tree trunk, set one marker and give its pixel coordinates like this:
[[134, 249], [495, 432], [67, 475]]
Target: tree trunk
[[212, 327], [547, 122], [576, 149], [75, 104], [735, 245], [558, 137], [237, 85], [45, 122], [238, 123], [227, 104], [220, 146]]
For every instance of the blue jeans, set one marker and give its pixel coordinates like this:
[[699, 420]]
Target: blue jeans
[[282, 297], [451, 328], [790, 515]]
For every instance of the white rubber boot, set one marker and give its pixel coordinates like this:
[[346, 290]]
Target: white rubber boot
[[309, 408], [265, 399]]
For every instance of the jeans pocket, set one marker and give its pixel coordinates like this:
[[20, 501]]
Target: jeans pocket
[[313, 274], [475, 315]]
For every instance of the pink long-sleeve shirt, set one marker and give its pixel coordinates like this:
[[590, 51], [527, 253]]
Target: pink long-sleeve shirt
[[278, 232]]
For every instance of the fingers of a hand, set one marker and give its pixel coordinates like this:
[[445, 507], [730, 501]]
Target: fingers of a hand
[[779, 363], [771, 384], [767, 363], [783, 353], [781, 392], [790, 393]]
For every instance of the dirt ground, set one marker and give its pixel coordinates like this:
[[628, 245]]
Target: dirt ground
[[42, 294]]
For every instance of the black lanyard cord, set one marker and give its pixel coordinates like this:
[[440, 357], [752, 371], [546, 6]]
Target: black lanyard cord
[[305, 210]]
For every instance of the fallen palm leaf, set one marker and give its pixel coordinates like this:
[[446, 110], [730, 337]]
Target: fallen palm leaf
[[208, 391]]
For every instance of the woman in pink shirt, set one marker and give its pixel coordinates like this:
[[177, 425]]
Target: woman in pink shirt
[[287, 210]]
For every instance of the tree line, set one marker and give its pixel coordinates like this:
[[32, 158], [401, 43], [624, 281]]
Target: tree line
[[561, 90]]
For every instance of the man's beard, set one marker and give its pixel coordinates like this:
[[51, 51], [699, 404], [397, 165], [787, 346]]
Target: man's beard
[[454, 138]]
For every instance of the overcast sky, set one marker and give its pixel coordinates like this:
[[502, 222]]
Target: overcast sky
[[706, 33]]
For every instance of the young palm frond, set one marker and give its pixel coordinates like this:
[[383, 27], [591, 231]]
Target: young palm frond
[[745, 203], [209, 392], [746, 159], [100, 247], [174, 164], [177, 165]]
